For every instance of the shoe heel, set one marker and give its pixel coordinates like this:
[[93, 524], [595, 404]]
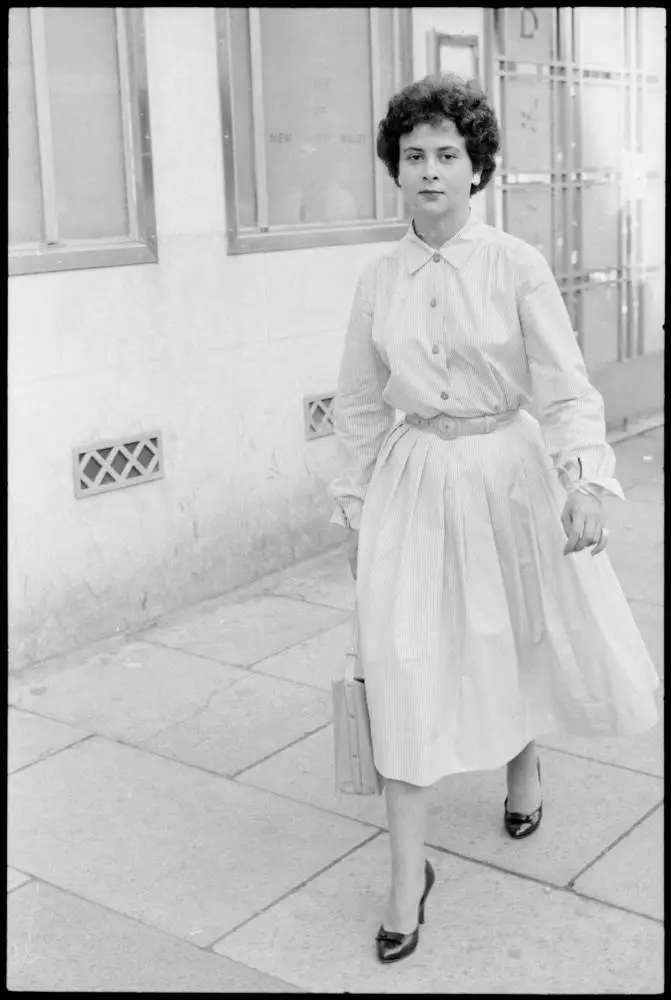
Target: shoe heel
[[429, 879]]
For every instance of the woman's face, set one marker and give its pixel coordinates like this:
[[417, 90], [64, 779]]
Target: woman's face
[[435, 171]]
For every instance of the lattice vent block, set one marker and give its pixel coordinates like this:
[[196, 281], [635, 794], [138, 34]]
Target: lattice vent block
[[112, 465], [318, 411]]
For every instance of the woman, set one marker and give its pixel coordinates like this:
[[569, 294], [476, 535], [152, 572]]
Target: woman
[[485, 622]]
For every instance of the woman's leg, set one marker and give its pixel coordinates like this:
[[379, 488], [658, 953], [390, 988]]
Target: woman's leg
[[523, 785], [407, 809]]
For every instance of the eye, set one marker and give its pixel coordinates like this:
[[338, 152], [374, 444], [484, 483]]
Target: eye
[[448, 156]]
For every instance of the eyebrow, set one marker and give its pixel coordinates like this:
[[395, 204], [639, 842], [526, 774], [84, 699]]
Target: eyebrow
[[420, 149]]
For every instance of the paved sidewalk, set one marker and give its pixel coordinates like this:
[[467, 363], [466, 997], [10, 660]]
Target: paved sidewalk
[[173, 825]]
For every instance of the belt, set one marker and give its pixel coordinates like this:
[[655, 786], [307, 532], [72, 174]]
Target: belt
[[448, 427]]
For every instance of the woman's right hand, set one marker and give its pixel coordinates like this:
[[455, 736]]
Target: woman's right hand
[[353, 550]]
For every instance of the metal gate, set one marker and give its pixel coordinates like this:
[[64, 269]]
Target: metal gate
[[580, 93]]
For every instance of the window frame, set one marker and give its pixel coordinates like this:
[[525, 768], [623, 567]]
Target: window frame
[[438, 41], [304, 235], [140, 246]]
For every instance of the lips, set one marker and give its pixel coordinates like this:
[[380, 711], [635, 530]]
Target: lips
[[428, 191]]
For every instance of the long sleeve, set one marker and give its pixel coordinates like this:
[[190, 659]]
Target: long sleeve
[[569, 408], [362, 417]]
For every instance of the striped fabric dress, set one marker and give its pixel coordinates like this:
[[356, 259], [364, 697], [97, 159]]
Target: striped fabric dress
[[477, 634]]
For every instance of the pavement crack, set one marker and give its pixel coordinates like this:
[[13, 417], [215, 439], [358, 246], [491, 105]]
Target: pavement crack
[[198, 711], [296, 888], [274, 753], [570, 885]]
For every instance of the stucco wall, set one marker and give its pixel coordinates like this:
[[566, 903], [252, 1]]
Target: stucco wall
[[217, 351]]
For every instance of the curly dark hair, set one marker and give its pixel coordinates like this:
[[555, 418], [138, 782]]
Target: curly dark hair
[[430, 101]]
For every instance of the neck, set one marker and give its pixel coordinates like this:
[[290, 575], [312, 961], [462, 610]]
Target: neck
[[435, 232]]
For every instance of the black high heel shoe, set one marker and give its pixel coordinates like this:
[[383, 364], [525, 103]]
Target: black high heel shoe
[[392, 946], [517, 824]]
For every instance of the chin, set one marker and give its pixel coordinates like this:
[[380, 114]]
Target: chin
[[433, 208]]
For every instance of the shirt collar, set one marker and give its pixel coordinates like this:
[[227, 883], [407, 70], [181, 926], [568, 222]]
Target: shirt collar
[[457, 250]]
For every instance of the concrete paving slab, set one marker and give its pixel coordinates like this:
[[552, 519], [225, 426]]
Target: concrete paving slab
[[327, 581], [643, 752], [15, 879], [486, 932], [187, 852], [632, 873], [466, 810], [587, 806], [648, 492], [312, 662], [246, 632], [31, 738], [304, 772], [640, 458], [60, 944], [129, 692], [245, 723], [650, 621], [635, 549]]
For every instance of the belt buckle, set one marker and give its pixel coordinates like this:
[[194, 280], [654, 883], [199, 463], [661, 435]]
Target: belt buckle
[[447, 428]]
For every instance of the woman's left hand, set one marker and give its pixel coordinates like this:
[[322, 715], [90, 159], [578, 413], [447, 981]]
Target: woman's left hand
[[584, 524]]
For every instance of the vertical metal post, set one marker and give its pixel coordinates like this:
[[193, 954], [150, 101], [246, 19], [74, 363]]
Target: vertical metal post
[[629, 302], [44, 129], [378, 175], [573, 155], [488, 74], [554, 144], [623, 195], [497, 96], [398, 83], [260, 167], [563, 98], [639, 326]]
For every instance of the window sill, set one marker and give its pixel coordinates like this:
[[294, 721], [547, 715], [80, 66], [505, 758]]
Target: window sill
[[70, 257], [305, 237]]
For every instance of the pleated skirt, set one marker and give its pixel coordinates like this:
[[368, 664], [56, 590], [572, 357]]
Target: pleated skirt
[[476, 633]]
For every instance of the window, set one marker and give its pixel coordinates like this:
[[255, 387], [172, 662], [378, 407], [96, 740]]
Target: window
[[302, 92], [455, 54], [80, 182]]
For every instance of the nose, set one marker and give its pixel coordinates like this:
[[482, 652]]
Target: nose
[[430, 172]]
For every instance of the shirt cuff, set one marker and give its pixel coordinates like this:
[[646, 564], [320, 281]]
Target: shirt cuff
[[599, 485], [609, 486], [348, 513]]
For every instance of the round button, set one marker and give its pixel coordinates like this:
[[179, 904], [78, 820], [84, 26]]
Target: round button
[[436, 257], [435, 349], [433, 303], [444, 395]]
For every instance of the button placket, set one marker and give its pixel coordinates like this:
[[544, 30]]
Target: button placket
[[433, 302]]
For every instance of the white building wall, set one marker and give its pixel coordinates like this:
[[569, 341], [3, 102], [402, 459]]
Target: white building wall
[[216, 351]]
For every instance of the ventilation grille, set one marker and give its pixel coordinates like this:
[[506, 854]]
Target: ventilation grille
[[319, 415], [112, 465]]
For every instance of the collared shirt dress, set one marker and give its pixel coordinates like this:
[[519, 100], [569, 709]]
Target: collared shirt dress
[[476, 633]]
